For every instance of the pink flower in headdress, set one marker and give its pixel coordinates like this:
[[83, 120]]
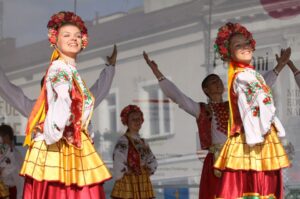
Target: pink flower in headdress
[[52, 36], [85, 41], [61, 16], [223, 50]]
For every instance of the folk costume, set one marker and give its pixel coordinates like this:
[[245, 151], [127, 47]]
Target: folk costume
[[16, 98], [133, 164], [212, 130], [253, 156], [8, 167], [10, 163], [61, 161]]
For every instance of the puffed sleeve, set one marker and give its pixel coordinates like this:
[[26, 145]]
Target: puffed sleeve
[[151, 160], [184, 102], [120, 158], [102, 86], [255, 104], [59, 84], [270, 77]]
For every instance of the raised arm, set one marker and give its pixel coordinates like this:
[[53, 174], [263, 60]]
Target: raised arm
[[271, 76], [102, 86], [295, 71], [15, 96], [171, 91]]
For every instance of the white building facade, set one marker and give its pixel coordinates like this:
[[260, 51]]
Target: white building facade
[[179, 37]]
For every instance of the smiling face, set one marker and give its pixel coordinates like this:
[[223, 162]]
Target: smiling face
[[135, 121], [69, 40], [240, 49]]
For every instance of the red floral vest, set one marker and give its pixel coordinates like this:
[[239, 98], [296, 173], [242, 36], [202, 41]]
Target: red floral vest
[[204, 127]]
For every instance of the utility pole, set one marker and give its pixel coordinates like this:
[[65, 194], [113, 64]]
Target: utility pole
[[1, 19], [75, 6]]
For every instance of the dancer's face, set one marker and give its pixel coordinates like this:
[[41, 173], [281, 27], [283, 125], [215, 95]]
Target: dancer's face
[[6, 140], [69, 40], [214, 86], [240, 49], [135, 121]]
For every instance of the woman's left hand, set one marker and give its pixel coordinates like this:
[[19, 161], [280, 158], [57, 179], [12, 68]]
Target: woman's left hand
[[111, 60]]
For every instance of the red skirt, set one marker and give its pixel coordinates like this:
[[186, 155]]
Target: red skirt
[[253, 184], [13, 192], [209, 183], [38, 190]]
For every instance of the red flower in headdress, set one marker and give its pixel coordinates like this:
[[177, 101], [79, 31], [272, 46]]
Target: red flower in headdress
[[127, 110], [59, 19], [225, 33]]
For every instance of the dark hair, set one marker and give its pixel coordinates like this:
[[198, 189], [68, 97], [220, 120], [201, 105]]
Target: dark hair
[[6, 130], [206, 80]]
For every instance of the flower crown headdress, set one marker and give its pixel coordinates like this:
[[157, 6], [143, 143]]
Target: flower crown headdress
[[127, 110], [62, 18], [224, 35]]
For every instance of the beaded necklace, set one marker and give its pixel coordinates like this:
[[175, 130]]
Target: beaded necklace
[[221, 113]]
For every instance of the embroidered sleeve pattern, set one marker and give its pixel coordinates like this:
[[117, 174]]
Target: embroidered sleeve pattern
[[120, 158], [59, 74], [59, 84], [255, 88], [87, 95], [255, 104]]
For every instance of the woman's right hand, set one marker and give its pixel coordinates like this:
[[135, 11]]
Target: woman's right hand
[[153, 67]]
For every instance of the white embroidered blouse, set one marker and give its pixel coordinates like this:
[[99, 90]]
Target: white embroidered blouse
[[256, 106], [120, 155]]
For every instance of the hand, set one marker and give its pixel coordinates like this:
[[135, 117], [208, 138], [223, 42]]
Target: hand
[[150, 63], [111, 60], [283, 59]]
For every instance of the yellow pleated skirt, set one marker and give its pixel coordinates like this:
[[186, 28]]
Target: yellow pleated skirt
[[4, 191], [132, 186], [65, 163], [266, 156]]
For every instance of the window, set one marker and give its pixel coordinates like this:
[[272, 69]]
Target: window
[[108, 113], [112, 112], [157, 112], [106, 125]]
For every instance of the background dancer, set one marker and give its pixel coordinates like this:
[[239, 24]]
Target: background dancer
[[133, 160]]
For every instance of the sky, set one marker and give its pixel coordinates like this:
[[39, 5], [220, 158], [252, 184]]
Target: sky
[[26, 20]]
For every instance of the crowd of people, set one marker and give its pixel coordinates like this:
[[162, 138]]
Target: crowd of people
[[242, 134]]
